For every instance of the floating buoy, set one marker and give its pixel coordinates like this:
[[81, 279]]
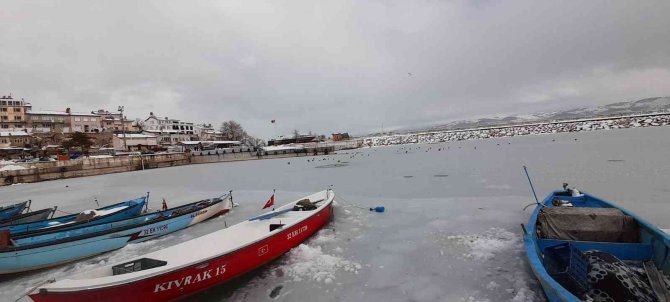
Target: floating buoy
[[378, 209]]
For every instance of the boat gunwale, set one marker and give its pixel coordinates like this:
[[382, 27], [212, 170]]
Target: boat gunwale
[[13, 206], [7, 221]]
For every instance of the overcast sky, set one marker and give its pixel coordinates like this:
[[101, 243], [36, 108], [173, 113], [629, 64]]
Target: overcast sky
[[330, 66]]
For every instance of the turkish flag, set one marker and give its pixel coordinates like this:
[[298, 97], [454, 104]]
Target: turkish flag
[[271, 202]]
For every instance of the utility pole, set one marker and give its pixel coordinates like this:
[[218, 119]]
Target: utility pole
[[123, 126]]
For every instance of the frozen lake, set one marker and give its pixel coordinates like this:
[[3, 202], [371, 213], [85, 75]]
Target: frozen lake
[[451, 227]]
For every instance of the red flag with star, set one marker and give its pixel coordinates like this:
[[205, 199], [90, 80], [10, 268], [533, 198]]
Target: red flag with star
[[271, 202]]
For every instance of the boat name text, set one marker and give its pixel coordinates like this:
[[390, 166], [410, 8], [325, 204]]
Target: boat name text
[[198, 213], [192, 279], [152, 230], [296, 232]]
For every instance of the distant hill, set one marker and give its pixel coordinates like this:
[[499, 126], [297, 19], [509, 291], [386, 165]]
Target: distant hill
[[649, 105]]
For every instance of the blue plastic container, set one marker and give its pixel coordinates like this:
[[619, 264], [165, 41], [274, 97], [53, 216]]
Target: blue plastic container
[[568, 266]]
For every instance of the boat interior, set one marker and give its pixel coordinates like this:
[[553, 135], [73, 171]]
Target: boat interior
[[582, 239]]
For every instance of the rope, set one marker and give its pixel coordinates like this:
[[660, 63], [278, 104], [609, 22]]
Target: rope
[[378, 209], [349, 202], [35, 287], [64, 212]]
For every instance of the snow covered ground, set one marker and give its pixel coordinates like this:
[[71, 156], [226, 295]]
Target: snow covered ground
[[451, 227]]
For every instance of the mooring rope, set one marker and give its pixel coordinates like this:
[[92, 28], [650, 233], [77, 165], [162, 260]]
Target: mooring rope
[[379, 209]]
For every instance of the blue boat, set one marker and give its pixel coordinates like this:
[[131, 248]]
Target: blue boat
[[50, 248], [29, 217], [13, 209], [583, 248], [122, 210]]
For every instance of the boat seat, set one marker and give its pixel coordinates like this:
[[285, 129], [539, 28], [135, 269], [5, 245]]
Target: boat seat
[[137, 265], [587, 224]]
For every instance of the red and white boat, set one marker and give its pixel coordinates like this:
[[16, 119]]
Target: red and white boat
[[198, 264]]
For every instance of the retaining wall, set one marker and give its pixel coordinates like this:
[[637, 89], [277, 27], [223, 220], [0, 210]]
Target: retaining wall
[[97, 166]]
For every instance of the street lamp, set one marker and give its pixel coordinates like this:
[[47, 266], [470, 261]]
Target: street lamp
[[123, 127]]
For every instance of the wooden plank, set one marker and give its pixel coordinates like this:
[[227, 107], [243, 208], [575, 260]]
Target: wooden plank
[[271, 214], [656, 281], [623, 251]]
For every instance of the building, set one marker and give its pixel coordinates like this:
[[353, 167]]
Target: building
[[16, 139], [63, 121], [206, 132], [83, 122], [114, 122], [154, 122], [340, 136], [169, 131], [135, 142], [47, 121], [13, 113]]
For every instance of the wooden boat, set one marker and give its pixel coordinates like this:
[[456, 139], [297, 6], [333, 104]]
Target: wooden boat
[[13, 209], [110, 213], [195, 265], [33, 216], [580, 246], [50, 248]]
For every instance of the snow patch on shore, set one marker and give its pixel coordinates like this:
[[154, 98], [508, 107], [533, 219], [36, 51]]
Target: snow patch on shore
[[12, 168]]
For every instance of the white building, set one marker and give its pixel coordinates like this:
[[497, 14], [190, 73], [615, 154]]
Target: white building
[[134, 142], [14, 139], [206, 132], [169, 131]]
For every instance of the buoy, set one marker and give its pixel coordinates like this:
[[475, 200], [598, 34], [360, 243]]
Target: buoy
[[378, 209]]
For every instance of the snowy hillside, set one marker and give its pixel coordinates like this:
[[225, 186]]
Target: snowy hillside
[[657, 104]]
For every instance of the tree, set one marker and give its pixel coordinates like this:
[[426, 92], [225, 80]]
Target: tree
[[233, 131], [253, 141], [139, 124], [296, 133], [78, 140]]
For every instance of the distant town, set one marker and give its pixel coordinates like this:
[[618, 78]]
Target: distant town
[[53, 134], [45, 145]]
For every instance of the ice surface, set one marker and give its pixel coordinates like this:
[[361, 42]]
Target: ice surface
[[447, 238]]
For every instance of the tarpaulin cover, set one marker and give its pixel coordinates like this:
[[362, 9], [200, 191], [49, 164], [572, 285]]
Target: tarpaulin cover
[[587, 224]]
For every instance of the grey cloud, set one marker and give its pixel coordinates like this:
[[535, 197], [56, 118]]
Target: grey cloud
[[332, 65]]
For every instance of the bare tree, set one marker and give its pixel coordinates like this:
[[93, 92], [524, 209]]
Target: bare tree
[[253, 141], [232, 130], [296, 133], [139, 124]]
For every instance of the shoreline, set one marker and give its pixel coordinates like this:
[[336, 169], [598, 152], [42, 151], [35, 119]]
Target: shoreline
[[566, 126], [84, 167]]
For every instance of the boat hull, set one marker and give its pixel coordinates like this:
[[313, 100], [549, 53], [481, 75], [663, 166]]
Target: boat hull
[[128, 209], [654, 244], [28, 217], [186, 281], [47, 254], [9, 211]]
